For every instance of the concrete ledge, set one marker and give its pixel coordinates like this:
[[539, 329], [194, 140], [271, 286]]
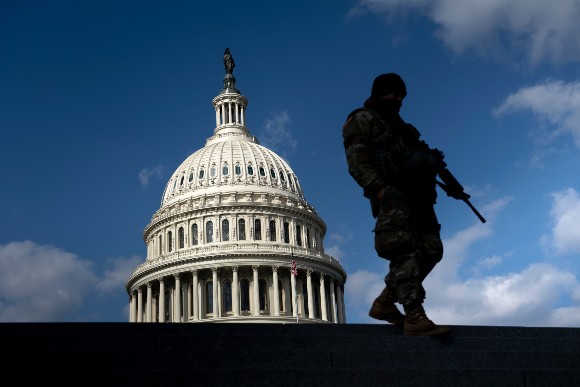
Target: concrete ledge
[[288, 354]]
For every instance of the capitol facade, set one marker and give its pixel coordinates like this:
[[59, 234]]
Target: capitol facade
[[234, 239]]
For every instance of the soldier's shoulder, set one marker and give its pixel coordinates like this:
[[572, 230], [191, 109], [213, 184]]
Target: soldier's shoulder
[[360, 117], [361, 113]]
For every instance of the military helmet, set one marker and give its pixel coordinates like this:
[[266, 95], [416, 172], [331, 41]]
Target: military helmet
[[386, 84]]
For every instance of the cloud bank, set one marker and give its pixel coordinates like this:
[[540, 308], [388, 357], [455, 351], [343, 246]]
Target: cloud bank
[[535, 30]]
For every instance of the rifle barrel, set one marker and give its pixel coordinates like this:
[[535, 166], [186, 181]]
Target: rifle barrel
[[474, 210]]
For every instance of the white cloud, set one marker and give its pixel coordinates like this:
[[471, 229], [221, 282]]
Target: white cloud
[[487, 263], [146, 173], [334, 243], [553, 102], [40, 282], [276, 134], [528, 298], [361, 289], [565, 212], [535, 30], [117, 273]]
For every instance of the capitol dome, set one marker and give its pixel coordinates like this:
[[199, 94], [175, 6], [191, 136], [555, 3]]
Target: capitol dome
[[234, 239]]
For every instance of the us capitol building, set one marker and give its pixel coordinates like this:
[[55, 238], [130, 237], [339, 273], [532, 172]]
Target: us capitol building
[[234, 239]]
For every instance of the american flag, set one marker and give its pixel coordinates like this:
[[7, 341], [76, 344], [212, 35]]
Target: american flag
[[294, 271]]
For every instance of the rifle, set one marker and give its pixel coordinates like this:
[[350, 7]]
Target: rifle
[[452, 187]]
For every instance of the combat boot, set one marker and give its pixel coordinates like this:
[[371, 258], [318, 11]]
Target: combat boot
[[418, 324], [384, 308]]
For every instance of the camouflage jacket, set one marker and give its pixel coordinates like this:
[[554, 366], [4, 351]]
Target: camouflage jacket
[[376, 153]]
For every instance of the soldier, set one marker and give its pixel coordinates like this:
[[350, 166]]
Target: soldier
[[397, 172]]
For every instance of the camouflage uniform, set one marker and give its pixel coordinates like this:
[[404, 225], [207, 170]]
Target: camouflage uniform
[[406, 231]]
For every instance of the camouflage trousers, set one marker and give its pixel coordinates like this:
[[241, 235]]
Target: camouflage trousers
[[408, 236]]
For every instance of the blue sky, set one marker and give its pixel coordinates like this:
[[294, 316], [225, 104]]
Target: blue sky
[[100, 101]]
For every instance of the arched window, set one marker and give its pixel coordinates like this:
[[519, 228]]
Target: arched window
[[272, 230], [272, 173], [281, 175], [308, 244], [225, 230], [209, 232], [227, 296], [194, 234], [238, 170], [299, 235], [209, 297], [212, 171], [160, 244], [241, 230], [250, 170], [286, 232], [257, 230], [191, 176], [182, 180], [263, 294], [245, 295], [262, 171], [181, 236], [201, 173], [225, 170], [169, 241]]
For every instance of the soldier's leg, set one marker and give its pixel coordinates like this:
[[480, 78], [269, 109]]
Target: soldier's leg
[[405, 273], [431, 249], [409, 276], [428, 240], [388, 243]]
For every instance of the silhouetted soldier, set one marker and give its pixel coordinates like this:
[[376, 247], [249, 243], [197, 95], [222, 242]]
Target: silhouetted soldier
[[397, 171]]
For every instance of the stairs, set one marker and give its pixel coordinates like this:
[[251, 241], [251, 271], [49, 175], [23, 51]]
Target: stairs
[[242, 354]]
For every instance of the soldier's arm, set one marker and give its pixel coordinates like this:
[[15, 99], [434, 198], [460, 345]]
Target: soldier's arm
[[357, 134]]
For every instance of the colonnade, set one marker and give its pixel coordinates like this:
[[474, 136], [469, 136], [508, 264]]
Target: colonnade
[[237, 291]]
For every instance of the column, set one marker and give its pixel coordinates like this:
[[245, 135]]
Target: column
[[195, 301], [154, 311], [189, 301], [276, 291], [214, 271], [149, 303], [177, 300], [310, 295], [132, 308], [161, 301], [338, 292], [235, 291], [256, 289], [139, 303], [293, 286], [332, 301], [323, 298]]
